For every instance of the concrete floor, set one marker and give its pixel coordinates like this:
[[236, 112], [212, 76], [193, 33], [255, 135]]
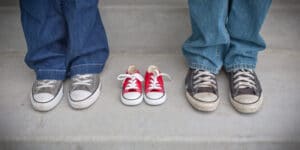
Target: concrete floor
[[175, 125]]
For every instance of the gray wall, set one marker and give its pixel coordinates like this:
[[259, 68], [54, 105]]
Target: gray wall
[[8, 3], [4, 3]]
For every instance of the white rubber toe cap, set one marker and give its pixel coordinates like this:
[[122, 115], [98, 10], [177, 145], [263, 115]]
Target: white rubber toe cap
[[132, 95], [154, 95], [43, 97], [206, 96], [79, 95], [246, 99]]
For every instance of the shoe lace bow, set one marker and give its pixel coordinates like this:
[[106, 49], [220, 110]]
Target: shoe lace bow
[[154, 84], [132, 82]]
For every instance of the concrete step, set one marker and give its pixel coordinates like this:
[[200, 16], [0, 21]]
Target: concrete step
[[152, 26], [152, 32], [109, 125], [277, 3]]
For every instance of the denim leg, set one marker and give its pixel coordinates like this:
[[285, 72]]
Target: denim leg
[[204, 48], [87, 42], [44, 30], [244, 23]]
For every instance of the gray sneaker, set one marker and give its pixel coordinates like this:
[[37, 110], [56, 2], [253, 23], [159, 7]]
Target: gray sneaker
[[84, 90], [202, 90], [246, 92], [46, 94]]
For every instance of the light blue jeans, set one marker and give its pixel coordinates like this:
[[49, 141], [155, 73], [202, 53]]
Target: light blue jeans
[[225, 33]]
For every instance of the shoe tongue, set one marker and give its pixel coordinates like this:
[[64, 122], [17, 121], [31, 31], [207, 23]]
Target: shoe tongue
[[45, 90], [243, 70], [206, 89], [132, 69], [82, 87], [246, 91], [132, 72], [155, 72], [152, 69]]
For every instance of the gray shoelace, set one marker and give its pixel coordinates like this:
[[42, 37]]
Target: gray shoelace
[[82, 80], [244, 78], [204, 79], [45, 84]]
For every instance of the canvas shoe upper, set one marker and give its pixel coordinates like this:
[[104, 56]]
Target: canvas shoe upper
[[245, 90], [84, 90], [202, 89], [132, 92], [154, 86], [46, 94]]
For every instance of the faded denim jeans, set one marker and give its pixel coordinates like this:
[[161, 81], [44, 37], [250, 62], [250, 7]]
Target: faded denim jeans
[[64, 37], [225, 33]]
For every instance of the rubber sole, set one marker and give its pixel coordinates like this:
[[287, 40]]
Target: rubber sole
[[202, 106], [247, 108], [44, 107]]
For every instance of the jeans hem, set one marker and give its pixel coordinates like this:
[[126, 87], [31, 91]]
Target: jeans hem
[[203, 67], [86, 69], [50, 74], [239, 66]]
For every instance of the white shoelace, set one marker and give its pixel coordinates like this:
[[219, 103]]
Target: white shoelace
[[244, 79], [45, 84], [154, 84], [132, 80], [204, 79], [82, 80]]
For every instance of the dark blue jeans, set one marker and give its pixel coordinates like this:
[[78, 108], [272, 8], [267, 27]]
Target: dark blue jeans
[[64, 37], [225, 33]]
